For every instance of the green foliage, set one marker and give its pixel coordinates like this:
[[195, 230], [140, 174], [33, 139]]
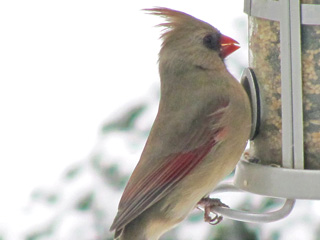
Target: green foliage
[[114, 176], [112, 170], [41, 195], [36, 195], [269, 203], [111, 173], [52, 198], [85, 203], [73, 172], [41, 233], [126, 121], [238, 231], [195, 217], [275, 235]]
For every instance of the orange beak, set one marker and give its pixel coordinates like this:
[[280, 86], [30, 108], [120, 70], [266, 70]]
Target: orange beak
[[228, 46]]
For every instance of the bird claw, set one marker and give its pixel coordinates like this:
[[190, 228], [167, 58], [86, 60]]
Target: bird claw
[[215, 220], [208, 204]]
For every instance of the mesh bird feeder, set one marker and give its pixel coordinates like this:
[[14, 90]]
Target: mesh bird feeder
[[283, 82]]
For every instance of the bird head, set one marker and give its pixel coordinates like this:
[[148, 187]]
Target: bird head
[[191, 40]]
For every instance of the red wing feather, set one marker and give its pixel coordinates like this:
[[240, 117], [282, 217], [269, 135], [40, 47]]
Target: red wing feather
[[158, 183]]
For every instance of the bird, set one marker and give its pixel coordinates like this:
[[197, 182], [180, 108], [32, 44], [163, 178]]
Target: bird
[[199, 133]]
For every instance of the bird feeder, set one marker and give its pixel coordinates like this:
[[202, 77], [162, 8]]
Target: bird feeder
[[283, 83]]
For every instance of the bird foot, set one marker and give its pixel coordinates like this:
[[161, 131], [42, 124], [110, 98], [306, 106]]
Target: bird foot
[[208, 205]]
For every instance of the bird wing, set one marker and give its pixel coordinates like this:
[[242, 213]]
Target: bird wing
[[160, 181]]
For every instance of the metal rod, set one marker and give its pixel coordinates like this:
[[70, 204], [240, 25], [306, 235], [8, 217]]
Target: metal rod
[[286, 87], [297, 98]]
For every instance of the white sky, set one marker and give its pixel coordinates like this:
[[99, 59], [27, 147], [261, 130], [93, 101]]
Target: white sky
[[68, 65]]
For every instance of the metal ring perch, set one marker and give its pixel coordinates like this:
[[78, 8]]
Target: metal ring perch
[[246, 216]]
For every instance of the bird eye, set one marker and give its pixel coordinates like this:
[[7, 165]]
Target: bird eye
[[212, 41]]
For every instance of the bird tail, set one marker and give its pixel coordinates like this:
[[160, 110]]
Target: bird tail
[[129, 234], [118, 234]]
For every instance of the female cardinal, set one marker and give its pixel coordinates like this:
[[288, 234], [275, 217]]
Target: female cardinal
[[198, 136]]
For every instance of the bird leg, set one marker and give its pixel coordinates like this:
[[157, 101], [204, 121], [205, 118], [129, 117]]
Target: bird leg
[[208, 205]]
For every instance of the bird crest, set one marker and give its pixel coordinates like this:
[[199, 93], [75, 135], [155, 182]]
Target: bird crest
[[176, 20]]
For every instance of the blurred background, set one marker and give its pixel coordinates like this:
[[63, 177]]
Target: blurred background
[[79, 90]]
